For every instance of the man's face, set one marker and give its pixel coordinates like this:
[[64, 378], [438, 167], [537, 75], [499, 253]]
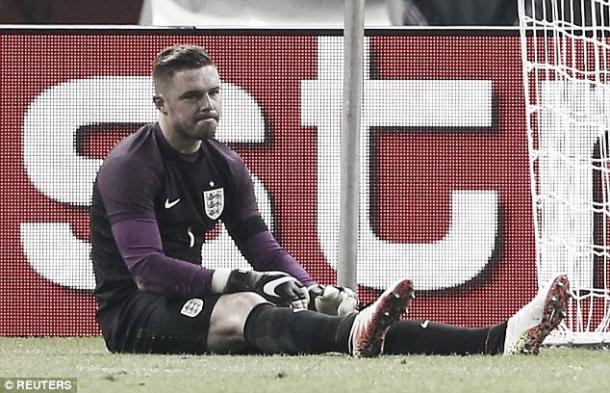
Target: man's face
[[191, 103]]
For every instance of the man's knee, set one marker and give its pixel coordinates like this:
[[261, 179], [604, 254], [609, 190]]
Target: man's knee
[[228, 319], [233, 309]]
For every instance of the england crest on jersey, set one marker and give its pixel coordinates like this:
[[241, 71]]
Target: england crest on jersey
[[214, 202]]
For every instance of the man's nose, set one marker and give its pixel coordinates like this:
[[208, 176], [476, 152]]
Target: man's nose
[[206, 101]]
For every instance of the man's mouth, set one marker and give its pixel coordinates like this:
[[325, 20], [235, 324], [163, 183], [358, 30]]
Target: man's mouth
[[208, 117]]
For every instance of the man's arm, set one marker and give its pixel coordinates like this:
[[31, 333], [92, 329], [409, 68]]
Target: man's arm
[[265, 254], [247, 228], [262, 250], [139, 243], [128, 197]]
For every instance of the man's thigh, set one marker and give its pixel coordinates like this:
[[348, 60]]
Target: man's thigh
[[150, 323]]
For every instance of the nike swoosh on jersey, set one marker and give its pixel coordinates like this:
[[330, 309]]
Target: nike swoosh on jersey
[[169, 205], [269, 288]]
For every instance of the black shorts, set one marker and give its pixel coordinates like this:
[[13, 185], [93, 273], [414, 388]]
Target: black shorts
[[151, 323]]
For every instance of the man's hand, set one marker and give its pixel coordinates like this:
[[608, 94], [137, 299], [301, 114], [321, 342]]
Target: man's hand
[[332, 300], [277, 287]]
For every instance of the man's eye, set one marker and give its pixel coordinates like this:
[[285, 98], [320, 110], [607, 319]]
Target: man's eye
[[192, 96]]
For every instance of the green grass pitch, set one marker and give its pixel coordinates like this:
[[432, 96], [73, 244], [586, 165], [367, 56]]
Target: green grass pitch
[[97, 370]]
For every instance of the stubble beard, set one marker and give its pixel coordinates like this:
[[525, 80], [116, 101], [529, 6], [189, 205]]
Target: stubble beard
[[197, 132], [208, 133]]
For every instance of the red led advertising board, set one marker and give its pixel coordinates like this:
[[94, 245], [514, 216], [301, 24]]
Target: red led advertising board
[[445, 188]]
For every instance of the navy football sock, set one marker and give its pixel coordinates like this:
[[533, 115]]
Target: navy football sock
[[425, 337], [271, 329]]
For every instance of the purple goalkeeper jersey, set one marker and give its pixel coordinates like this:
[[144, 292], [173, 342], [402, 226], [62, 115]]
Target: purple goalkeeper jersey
[[152, 207]]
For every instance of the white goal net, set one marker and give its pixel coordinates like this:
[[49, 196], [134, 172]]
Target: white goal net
[[565, 48]]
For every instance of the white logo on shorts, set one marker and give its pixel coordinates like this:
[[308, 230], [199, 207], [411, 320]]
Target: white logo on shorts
[[192, 307]]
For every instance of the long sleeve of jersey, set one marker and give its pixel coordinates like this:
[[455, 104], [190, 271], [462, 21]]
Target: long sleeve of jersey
[[140, 244]]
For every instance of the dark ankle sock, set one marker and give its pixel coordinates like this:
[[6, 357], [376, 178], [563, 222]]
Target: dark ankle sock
[[425, 337], [271, 329], [495, 340]]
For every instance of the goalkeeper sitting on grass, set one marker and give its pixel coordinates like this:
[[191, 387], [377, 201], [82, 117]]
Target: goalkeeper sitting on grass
[[162, 188]]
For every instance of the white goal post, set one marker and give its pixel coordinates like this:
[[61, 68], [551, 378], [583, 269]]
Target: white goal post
[[565, 47]]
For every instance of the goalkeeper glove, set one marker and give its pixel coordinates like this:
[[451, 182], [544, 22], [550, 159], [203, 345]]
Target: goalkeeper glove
[[276, 287], [332, 300]]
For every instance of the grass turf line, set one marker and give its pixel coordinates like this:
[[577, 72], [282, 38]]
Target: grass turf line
[[97, 370]]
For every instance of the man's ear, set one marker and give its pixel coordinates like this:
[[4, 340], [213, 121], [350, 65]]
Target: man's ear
[[159, 103]]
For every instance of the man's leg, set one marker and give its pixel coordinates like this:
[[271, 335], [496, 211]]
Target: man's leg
[[425, 337], [226, 331], [242, 322], [245, 318], [522, 333]]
